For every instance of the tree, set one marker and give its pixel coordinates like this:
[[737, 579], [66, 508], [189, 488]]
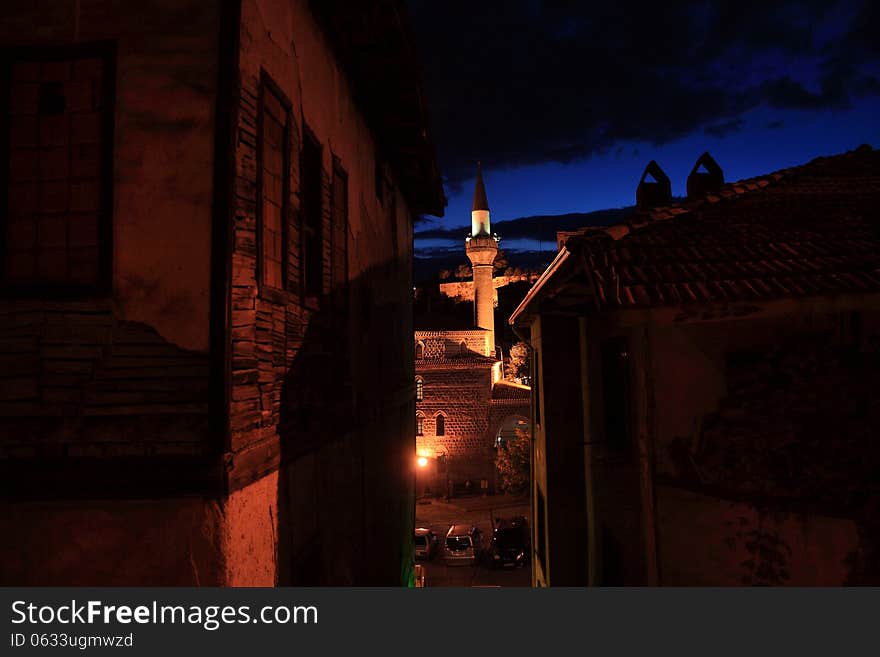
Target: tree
[[518, 365], [513, 462], [463, 271], [500, 263]]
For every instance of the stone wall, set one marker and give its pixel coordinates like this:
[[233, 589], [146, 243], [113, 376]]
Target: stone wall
[[777, 414], [452, 344], [709, 541]]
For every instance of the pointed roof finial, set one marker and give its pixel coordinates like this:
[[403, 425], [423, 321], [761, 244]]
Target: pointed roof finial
[[480, 202]]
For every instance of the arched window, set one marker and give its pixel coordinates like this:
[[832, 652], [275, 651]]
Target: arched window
[[420, 350], [440, 425], [420, 389], [420, 424], [462, 348]]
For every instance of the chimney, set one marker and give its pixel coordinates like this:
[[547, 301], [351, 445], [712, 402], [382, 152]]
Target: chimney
[[710, 179], [650, 194]]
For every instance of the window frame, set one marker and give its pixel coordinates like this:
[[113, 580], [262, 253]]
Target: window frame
[[440, 421], [617, 435], [420, 389], [420, 424], [106, 51], [310, 295], [339, 173], [268, 84]]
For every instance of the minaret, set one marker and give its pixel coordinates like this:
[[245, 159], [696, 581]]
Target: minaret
[[481, 249]]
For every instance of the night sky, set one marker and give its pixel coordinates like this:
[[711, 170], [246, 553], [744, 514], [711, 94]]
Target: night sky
[[564, 103]]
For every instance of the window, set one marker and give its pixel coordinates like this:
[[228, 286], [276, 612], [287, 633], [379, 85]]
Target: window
[[339, 226], [379, 179], [420, 388], [391, 209], [615, 392], [420, 350], [536, 390], [312, 233], [273, 172], [56, 168], [462, 348], [420, 425], [440, 426]]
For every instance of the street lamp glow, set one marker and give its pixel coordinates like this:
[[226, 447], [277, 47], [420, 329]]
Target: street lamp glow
[[422, 461]]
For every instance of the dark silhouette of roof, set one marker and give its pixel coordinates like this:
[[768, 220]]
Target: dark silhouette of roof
[[480, 201]]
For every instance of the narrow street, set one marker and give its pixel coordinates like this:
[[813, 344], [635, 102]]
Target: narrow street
[[479, 511]]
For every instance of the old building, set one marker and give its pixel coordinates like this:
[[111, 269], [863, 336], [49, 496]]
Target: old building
[[464, 408], [206, 373], [705, 393]]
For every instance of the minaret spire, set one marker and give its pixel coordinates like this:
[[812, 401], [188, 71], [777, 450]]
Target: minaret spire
[[480, 211], [482, 248], [480, 202]]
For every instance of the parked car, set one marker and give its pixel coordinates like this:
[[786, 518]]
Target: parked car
[[464, 545], [427, 543], [511, 542]]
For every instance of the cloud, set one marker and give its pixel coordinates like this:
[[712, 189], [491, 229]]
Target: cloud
[[725, 128], [523, 82], [540, 227]]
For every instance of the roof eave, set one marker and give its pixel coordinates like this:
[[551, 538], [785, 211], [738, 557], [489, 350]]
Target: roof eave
[[524, 308]]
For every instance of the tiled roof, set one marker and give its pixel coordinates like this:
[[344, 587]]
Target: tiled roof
[[509, 390], [804, 231]]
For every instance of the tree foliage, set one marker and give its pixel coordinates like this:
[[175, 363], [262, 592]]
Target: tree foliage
[[518, 365], [513, 460]]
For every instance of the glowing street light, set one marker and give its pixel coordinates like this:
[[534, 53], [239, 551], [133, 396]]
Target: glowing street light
[[422, 461]]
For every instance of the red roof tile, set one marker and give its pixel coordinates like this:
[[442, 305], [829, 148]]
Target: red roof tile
[[808, 230]]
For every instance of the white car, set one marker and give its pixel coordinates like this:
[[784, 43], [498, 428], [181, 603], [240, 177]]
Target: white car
[[464, 545]]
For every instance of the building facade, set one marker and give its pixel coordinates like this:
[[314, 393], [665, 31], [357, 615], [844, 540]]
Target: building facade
[[464, 407], [705, 379], [206, 374]]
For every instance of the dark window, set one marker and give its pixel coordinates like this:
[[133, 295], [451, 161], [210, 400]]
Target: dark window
[[312, 237], [274, 175], [57, 150], [420, 425], [536, 390], [391, 208], [440, 426], [540, 528], [420, 389], [615, 392], [380, 182], [339, 222]]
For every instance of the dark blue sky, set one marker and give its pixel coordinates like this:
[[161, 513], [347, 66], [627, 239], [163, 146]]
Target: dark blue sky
[[566, 102]]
